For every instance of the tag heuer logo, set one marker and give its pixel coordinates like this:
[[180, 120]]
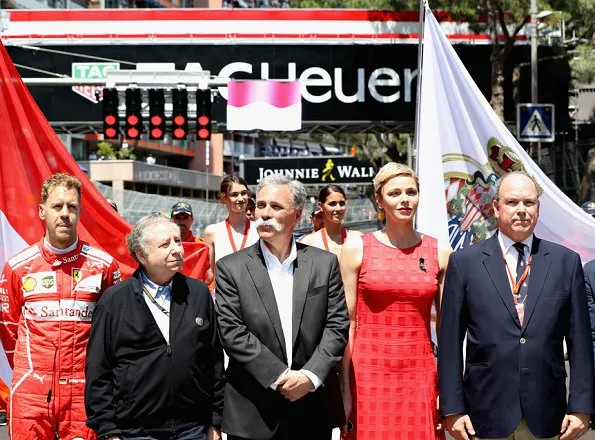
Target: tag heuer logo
[[48, 281], [91, 71]]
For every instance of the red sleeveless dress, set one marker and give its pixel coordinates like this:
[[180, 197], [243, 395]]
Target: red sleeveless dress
[[396, 383]]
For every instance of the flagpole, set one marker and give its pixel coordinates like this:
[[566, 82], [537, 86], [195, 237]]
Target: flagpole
[[422, 15]]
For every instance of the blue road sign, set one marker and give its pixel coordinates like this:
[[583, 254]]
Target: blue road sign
[[535, 122]]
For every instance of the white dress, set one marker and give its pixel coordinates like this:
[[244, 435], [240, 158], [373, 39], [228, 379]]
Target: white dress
[[222, 244]]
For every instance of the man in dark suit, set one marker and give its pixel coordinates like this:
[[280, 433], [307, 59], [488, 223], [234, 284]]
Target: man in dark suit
[[154, 362], [590, 286], [516, 297], [284, 324]]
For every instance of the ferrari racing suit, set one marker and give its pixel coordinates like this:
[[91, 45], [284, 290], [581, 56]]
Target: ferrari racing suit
[[46, 305]]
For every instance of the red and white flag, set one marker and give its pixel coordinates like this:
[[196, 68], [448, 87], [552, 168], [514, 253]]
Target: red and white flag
[[264, 105], [30, 153]]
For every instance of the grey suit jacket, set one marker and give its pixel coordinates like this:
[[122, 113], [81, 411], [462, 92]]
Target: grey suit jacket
[[252, 336]]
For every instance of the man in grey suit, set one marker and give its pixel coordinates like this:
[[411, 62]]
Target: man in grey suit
[[284, 324]]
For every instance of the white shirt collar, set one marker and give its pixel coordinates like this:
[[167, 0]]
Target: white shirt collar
[[506, 243], [57, 251], [272, 261]]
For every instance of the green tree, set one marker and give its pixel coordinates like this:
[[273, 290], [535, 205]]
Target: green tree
[[105, 150], [583, 64]]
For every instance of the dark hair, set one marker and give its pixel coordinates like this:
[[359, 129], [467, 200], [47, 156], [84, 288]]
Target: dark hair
[[228, 182], [326, 190]]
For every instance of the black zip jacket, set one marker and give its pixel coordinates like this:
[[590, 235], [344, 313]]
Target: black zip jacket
[[136, 383]]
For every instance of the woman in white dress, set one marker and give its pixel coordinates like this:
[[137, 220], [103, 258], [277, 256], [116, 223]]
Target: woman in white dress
[[333, 204], [236, 231]]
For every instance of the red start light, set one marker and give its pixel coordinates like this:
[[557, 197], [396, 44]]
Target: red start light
[[132, 133], [156, 133], [110, 132], [132, 120], [110, 119], [203, 133], [156, 120], [179, 133], [203, 120], [179, 120]]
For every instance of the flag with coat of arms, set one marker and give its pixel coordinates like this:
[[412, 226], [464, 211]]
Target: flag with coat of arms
[[464, 149]]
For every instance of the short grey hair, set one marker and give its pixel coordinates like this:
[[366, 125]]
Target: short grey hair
[[514, 173], [137, 239], [298, 190]]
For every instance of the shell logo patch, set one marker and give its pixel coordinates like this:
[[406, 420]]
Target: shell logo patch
[[29, 284]]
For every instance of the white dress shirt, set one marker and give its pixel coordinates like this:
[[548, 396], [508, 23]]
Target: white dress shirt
[[281, 276], [511, 254], [162, 295]]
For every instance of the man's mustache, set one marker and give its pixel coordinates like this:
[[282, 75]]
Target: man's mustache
[[270, 223]]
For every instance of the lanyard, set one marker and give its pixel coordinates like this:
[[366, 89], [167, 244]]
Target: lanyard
[[516, 287], [325, 238], [230, 235], [159, 306]]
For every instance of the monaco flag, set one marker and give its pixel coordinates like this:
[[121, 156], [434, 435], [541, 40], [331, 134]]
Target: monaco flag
[[464, 149], [264, 105], [32, 152]]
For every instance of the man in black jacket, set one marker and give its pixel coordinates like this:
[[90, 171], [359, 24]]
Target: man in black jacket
[[154, 363]]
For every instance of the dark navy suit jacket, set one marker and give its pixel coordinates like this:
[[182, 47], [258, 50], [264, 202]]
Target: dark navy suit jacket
[[513, 371], [590, 285]]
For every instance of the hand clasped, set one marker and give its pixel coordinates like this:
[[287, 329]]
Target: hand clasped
[[294, 385]]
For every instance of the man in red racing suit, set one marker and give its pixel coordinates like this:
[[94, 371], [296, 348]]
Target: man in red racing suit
[[47, 296]]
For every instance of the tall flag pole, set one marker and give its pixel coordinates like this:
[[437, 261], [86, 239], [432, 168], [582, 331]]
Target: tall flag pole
[[420, 41], [431, 214]]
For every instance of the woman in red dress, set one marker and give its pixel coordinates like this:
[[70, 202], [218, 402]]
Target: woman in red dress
[[392, 277]]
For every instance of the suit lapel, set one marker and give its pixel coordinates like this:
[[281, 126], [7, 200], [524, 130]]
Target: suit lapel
[[301, 279], [257, 270], [540, 265], [494, 264]]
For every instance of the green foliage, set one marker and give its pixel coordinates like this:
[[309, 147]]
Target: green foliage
[[579, 16], [377, 148], [105, 150], [126, 153], [583, 65]]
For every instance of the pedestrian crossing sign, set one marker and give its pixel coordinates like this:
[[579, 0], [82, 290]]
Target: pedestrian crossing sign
[[535, 123]]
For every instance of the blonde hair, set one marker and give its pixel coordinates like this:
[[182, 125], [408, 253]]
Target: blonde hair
[[59, 179], [390, 171]]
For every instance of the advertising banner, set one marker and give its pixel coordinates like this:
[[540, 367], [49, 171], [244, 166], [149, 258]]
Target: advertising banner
[[339, 83], [309, 170]]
